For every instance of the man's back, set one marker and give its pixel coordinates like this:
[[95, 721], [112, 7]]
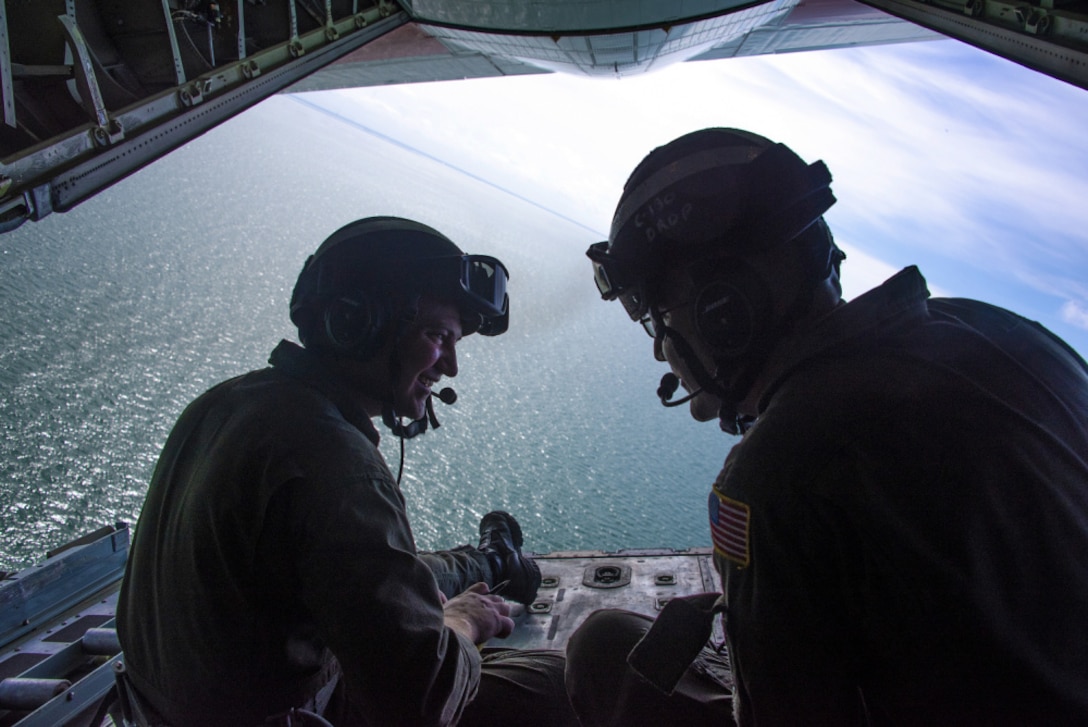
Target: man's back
[[206, 611], [272, 530], [926, 539]]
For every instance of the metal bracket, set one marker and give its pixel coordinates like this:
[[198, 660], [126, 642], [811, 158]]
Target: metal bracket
[[193, 94], [32, 204], [90, 95], [240, 13], [1034, 20], [179, 67], [251, 69], [111, 133], [7, 88], [609, 575], [292, 14]]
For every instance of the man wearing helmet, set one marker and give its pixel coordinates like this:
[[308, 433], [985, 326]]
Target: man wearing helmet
[[902, 531], [273, 568]]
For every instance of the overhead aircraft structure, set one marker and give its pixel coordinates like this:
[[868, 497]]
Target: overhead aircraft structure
[[93, 90]]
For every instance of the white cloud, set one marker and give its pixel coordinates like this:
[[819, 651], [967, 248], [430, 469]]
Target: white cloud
[[861, 271], [1075, 313], [942, 155]]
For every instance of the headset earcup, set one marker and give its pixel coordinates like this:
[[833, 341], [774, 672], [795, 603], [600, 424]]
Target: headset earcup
[[732, 311], [354, 325]]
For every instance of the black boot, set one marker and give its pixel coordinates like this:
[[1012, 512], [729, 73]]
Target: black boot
[[500, 540]]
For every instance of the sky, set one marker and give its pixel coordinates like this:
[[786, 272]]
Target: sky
[[944, 156]]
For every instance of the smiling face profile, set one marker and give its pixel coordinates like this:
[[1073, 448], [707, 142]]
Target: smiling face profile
[[425, 352]]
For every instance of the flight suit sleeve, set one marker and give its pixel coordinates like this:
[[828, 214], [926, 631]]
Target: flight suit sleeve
[[375, 603]]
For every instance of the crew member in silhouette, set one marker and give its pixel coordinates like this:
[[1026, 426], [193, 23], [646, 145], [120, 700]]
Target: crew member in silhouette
[[902, 529], [273, 574]]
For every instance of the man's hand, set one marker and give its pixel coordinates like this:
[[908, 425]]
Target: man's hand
[[478, 615]]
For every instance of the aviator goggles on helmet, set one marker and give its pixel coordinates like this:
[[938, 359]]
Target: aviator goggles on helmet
[[598, 253], [481, 287], [632, 286], [616, 280]]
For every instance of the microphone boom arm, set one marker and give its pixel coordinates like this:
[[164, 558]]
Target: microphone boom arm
[[670, 382]]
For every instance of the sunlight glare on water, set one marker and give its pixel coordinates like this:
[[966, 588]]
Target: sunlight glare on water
[[122, 311]]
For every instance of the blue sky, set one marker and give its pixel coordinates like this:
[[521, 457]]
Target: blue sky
[[944, 156]]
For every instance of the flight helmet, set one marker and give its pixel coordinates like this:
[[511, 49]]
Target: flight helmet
[[706, 201], [361, 285], [707, 196]]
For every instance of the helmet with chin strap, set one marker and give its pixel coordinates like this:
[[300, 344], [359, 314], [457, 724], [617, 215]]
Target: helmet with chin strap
[[706, 201], [350, 291]]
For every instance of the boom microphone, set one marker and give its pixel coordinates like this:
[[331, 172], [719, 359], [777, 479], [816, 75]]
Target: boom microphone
[[670, 382], [418, 426]]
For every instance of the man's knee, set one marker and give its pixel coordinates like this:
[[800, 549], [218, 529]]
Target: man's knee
[[607, 634], [597, 653], [526, 683]]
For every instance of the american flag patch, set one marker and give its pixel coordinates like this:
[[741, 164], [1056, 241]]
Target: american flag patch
[[729, 528]]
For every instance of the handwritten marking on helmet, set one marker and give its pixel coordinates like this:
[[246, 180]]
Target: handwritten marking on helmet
[[659, 215]]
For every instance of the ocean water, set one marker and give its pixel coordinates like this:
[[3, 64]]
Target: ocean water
[[117, 314]]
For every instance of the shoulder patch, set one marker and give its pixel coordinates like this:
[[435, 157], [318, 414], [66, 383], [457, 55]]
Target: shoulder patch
[[729, 528]]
